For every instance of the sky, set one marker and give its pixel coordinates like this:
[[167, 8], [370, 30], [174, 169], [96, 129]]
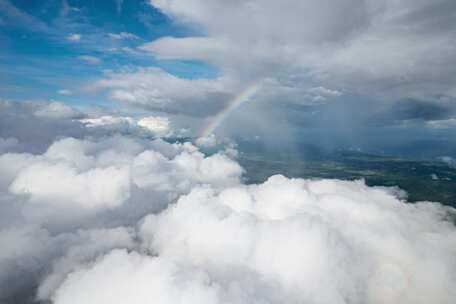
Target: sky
[[123, 124], [53, 49], [320, 78]]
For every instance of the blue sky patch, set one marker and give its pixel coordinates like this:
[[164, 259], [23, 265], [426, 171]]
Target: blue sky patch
[[51, 48]]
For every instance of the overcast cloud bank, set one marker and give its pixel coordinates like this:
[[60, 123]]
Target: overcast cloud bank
[[303, 51]]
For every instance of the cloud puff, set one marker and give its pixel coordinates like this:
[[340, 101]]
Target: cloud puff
[[209, 141], [156, 89], [154, 125], [61, 184], [86, 246], [30, 252], [65, 92], [157, 125], [90, 59], [35, 125], [73, 37], [122, 36], [450, 161], [449, 123], [57, 110], [141, 278], [184, 48], [102, 174]]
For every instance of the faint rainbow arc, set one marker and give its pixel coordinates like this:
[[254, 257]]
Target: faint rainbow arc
[[233, 104]]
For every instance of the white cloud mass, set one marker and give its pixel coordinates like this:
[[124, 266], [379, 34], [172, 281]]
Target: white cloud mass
[[117, 218], [57, 110], [154, 125], [287, 240]]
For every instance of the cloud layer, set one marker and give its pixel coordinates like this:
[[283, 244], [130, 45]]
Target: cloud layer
[[387, 48], [111, 217], [323, 78]]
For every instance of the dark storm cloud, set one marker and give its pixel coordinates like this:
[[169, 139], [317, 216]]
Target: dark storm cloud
[[422, 110]]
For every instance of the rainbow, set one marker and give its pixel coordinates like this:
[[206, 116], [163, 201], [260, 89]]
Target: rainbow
[[233, 104]]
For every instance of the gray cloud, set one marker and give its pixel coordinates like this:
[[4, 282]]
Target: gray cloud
[[33, 126], [294, 47], [155, 89], [358, 54], [36, 125], [417, 109]]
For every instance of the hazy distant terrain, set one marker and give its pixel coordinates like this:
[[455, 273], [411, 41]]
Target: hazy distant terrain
[[422, 180]]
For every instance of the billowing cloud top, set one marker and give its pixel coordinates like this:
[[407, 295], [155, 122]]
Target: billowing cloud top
[[116, 217]]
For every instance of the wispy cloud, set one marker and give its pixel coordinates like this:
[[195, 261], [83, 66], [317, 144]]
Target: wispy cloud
[[64, 92], [14, 16], [90, 59], [74, 37], [122, 36], [119, 4]]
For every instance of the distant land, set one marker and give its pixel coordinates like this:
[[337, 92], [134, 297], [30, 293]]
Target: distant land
[[423, 180]]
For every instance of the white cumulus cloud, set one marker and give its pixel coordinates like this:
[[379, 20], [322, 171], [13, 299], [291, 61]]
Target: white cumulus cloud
[[287, 240], [115, 217]]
